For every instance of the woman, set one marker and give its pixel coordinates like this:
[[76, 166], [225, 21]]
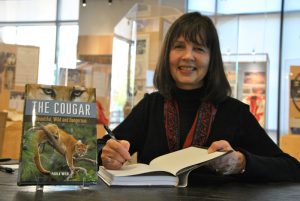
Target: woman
[[192, 107]]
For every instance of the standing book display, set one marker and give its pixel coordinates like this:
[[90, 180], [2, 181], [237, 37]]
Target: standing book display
[[59, 136]]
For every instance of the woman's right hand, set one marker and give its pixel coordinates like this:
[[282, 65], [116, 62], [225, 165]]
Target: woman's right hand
[[115, 153]]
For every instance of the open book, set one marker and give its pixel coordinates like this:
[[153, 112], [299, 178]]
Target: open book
[[167, 170]]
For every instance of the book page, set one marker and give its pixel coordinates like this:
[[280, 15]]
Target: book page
[[132, 169], [137, 175], [181, 159]]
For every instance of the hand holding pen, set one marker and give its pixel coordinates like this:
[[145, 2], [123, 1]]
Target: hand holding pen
[[115, 152], [109, 132]]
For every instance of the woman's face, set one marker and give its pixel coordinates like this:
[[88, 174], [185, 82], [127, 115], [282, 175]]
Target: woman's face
[[188, 63]]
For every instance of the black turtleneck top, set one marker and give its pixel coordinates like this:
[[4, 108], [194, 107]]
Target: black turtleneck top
[[144, 128], [188, 103]]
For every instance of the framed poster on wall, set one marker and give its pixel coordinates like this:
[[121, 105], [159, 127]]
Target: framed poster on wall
[[18, 66], [231, 74], [294, 117], [253, 91], [141, 66]]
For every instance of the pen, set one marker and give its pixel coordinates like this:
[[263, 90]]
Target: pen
[[109, 132], [6, 169]]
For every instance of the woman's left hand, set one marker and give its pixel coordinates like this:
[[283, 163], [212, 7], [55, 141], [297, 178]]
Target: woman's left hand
[[232, 163]]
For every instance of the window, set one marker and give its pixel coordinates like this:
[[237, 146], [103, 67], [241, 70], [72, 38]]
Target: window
[[54, 29]]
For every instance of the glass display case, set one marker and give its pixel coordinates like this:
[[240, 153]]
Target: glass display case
[[136, 45], [247, 76]]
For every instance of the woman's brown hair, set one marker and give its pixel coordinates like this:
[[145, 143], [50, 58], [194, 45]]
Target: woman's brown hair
[[198, 29]]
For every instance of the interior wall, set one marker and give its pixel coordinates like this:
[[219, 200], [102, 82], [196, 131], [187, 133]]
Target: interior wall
[[100, 18], [95, 45]]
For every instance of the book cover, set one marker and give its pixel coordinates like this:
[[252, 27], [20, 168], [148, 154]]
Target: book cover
[[59, 136]]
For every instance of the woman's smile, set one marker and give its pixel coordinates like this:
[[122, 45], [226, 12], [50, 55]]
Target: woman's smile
[[188, 63], [187, 68]]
